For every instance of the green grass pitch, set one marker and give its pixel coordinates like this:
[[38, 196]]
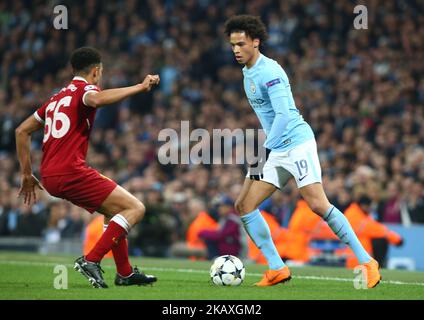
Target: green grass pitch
[[31, 277]]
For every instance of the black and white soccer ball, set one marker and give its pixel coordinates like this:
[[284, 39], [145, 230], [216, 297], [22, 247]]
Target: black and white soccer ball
[[227, 270]]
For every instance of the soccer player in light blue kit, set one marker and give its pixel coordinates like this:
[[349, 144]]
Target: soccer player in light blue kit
[[291, 151]]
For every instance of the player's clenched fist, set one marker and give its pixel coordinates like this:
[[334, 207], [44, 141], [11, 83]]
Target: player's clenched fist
[[149, 81]]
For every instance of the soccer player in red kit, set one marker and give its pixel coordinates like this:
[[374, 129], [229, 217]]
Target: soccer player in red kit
[[67, 118]]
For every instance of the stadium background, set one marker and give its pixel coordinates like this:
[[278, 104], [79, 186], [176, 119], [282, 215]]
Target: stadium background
[[362, 91]]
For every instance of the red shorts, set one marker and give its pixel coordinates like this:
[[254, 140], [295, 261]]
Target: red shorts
[[87, 188]]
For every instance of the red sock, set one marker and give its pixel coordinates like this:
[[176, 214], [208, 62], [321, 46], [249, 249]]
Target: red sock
[[120, 255], [110, 239]]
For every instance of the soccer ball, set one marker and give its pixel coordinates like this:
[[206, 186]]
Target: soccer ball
[[227, 270]]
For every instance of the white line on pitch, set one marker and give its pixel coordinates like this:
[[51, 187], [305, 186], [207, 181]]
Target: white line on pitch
[[321, 278]]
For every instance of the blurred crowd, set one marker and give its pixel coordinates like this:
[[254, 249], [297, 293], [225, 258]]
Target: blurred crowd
[[362, 91]]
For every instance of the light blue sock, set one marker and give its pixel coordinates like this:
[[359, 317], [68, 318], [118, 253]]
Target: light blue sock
[[342, 228], [259, 232]]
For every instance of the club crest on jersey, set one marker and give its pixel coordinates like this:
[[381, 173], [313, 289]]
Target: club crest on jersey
[[252, 86], [71, 87]]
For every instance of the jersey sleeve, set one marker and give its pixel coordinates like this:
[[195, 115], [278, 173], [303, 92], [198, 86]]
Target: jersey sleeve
[[88, 88], [40, 113], [275, 84]]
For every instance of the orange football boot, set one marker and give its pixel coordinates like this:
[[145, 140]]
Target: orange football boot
[[373, 275], [273, 277]]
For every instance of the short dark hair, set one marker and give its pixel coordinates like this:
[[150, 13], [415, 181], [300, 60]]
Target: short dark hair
[[251, 25], [84, 58]]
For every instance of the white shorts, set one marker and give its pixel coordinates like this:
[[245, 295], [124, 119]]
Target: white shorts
[[301, 162]]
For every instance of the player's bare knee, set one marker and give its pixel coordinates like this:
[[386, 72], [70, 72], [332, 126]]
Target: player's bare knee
[[139, 210], [317, 206], [246, 207], [241, 208]]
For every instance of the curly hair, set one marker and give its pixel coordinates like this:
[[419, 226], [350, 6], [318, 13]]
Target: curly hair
[[82, 59], [251, 25]]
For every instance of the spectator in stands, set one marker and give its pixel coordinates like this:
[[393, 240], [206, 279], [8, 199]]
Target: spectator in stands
[[195, 247], [154, 236], [5, 211], [201, 220], [29, 223], [228, 238], [414, 202], [368, 229], [75, 223], [57, 221], [391, 211]]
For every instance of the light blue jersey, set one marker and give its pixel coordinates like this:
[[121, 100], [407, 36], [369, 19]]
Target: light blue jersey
[[268, 90]]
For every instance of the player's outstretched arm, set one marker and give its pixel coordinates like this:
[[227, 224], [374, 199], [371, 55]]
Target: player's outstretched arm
[[109, 96], [23, 142]]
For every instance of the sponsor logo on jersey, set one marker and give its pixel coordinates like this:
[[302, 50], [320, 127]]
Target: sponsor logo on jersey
[[256, 103]]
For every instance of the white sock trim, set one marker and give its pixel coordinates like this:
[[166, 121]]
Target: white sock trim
[[126, 276], [119, 219]]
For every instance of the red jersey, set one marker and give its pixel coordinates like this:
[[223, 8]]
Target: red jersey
[[67, 126]]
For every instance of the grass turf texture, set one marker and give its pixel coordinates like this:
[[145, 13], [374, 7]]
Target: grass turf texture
[[31, 276]]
